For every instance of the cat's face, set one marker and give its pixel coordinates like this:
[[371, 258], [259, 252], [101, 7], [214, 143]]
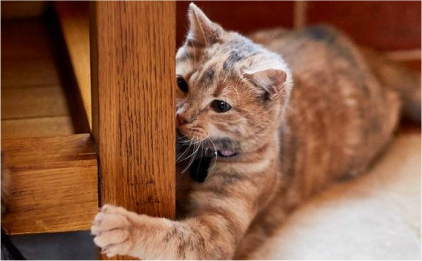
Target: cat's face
[[231, 92]]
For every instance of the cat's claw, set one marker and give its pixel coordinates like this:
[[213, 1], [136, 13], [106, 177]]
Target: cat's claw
[[112, 230]]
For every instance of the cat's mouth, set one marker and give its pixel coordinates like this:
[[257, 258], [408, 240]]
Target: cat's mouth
[[226, 153], [223, 147], [212, 147], [210, 152]]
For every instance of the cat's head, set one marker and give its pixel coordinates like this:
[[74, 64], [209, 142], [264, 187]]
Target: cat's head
[[230, 90]]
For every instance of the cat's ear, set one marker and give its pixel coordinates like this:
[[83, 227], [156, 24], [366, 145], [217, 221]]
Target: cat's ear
[[275, 79], [202, 30]]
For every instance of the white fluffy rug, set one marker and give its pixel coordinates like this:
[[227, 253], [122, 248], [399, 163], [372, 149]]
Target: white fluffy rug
[[376, 216]]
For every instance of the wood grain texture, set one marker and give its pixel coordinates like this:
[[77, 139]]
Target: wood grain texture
[[133, 70], [74, 21], [33, 102], [54, 184], [37, 127], [29, 73]]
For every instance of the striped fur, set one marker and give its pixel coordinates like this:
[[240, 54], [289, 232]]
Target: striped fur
[[288, 143]]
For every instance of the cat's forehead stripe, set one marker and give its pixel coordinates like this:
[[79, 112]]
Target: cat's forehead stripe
[[208, 76], [233, 58]]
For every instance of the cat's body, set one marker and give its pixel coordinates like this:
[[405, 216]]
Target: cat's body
[[275, 145], [341, 116]]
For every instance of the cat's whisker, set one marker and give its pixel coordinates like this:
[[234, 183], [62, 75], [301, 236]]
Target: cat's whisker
[[183, 141], [237, 93], [188, 149], [179, 175], [203, 131], [216, 155], [196, 147], [192, 142], [179, 159], [225, 98], [183, 157], [192, 159]]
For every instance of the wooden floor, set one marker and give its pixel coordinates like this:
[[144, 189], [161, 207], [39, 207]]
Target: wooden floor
[[34, 100]]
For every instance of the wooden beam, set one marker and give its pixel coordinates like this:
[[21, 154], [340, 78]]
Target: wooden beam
[[133, 70], [74, 22], [54, 184]]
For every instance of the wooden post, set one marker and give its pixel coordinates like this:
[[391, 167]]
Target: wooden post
[[133, 78]]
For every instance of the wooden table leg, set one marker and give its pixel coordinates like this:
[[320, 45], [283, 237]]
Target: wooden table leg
[[133, 78]]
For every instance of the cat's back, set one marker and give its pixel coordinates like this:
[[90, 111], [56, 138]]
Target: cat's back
[[318, 49], [339, 117]]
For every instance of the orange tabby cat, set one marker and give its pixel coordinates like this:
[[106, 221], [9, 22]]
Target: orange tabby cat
[[268, 127]]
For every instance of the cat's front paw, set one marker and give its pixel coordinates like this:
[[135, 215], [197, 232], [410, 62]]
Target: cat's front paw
[[113, 230]]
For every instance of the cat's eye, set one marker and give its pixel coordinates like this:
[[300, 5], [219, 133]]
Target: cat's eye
[[220, 106], [183, 85]]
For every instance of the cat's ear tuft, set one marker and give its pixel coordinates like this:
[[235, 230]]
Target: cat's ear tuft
[[202, 30], [274, 80]]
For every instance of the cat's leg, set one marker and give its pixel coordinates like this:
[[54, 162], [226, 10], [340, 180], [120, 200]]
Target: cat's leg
[[211, 236], [121, 232], [265, 225], [223, 212]]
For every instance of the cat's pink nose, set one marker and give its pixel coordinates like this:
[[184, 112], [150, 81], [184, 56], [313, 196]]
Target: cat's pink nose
[[180, 119]]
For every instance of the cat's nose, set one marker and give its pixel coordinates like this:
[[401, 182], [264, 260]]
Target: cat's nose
[[181, 120]]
